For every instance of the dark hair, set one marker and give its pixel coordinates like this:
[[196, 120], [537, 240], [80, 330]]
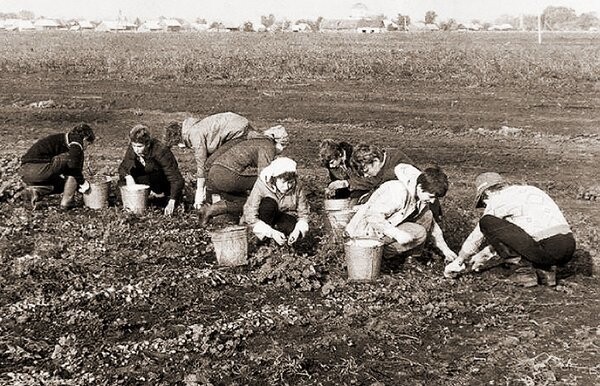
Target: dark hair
[[286, 176], [329, 150], [364, 154], [173, 134], [84, 131], [140, 134], [434, 180], [491, 189]]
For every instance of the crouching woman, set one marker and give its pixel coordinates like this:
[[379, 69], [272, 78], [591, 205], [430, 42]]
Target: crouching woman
[[277, 207], [149, 162]]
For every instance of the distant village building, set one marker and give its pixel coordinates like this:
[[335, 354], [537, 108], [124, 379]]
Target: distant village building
[[171, 25], [351, 25], [25, 25], [502, 27], [470, 27], [301, 27], [82, 25], [339, 25], [420, 26], [116, 26], [46, 25], [370, 26], [151, 26], [200, 27]]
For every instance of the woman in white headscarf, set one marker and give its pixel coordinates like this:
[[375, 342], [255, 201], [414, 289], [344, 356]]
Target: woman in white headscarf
[[233, 169], [277, 207]]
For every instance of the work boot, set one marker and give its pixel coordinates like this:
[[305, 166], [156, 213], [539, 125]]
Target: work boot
[[547, 277], [68, 197], [34, 193], [525, 277]]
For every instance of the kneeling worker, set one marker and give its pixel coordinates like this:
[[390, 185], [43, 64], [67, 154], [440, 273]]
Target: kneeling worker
[[398, 212]]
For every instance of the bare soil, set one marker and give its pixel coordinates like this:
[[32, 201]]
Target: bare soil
[[109, 298]]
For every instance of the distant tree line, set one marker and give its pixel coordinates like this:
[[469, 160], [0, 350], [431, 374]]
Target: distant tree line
[[553, 18]]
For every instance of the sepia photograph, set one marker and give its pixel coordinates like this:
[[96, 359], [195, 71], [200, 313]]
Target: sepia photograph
[[299, 192]]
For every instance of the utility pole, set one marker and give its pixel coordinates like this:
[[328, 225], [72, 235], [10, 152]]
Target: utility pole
[[539, 28]]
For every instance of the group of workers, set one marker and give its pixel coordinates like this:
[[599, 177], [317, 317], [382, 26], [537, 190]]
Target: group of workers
[[397, 202]]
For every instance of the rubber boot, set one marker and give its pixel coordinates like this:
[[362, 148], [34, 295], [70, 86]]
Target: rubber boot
[[209, 211], [67, 201], [35, 192]]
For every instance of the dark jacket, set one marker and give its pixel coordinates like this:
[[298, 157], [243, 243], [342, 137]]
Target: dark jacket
[[49, 147], [159, 159], [392, 158], [342, 172]]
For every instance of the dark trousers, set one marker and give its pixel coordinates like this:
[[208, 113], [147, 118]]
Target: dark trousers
[[157, 181], [222, 180], [268, 212], [47, 174], [500, 233]]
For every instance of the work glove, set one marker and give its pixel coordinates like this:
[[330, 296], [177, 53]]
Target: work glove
[[170, 208], [279, 237], [83, 188], [200, 193], [454, 268]]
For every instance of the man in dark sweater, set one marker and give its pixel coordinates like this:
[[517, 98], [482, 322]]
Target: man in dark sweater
[[54, 164]]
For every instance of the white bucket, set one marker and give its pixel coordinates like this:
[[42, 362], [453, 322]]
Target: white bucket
[[135, 197], [231, 245], [363, 258], [97, 196], [339, 213]]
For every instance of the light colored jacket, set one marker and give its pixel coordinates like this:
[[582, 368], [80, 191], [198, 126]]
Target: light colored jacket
[[528, 207], [208, 134], [389, 206], [293, 201]]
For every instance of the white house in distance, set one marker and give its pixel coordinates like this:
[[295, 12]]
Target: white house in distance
[[150, 26], [82, 25], [116, 26], [171, 25], [301, 27], [46, 25]]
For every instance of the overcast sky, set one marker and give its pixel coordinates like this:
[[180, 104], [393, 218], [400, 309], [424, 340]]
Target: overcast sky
[[241, 10]]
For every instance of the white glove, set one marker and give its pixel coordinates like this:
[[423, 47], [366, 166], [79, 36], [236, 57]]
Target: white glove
[[129, 180], [84, 187], [449, 255], [200, 193], [294, 236], [338, 184], [278, 237], [454, 268], [170, 207]]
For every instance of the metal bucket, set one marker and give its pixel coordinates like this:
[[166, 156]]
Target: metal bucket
[[135, 197], [339, 213], [97, 196], [231, 245], [363, 258]]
